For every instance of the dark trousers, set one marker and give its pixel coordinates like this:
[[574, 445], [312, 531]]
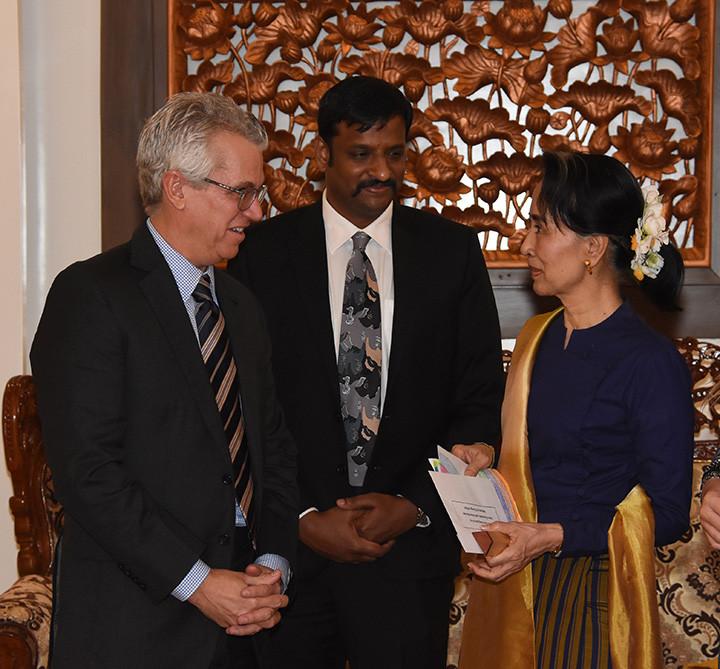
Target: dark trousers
[[358, 613], [237, 652]]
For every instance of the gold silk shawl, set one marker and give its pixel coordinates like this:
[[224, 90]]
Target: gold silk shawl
[[499, 629]]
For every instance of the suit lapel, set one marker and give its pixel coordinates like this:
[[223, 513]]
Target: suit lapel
[[407, 268], [159, 287], [309, 258]]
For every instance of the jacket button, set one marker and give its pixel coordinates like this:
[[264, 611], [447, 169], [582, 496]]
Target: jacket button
[[227, 479], [342, 469], [224, 539]]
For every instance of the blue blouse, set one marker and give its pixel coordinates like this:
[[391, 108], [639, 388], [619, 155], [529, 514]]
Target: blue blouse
[[611, 410]]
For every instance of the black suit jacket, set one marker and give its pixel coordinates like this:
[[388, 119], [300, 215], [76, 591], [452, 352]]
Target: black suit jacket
[[445, 376], [139, 456]]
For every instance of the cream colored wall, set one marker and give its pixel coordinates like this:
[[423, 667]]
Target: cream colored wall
[[49, 174], [11, 247], [60, 51]]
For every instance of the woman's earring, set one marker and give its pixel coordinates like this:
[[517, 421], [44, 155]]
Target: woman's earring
[[588, 267]]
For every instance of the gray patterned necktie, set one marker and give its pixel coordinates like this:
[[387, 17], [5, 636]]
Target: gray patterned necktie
[[360, 360]]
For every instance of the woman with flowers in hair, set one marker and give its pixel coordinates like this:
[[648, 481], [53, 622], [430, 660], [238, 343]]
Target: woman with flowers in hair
[[597, 436]]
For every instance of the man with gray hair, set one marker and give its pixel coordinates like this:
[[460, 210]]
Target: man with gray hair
[[168, 449]]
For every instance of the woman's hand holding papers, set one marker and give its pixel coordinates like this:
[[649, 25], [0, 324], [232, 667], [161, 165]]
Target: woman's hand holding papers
[[477, 456], [527, 541]]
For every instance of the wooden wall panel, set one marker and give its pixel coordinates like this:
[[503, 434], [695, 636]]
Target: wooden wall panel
[[493, 85], [133, 85]]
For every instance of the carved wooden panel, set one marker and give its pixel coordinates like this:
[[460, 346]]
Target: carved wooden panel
[[493, 84], [703, 361]]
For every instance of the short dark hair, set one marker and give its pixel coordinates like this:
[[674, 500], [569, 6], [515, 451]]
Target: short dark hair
[[597, 195], [363, 102]]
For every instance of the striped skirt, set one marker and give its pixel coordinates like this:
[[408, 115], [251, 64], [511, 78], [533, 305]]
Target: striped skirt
[[571, 612]]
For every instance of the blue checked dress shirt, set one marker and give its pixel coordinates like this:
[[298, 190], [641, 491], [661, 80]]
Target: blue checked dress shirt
[[186, 277]]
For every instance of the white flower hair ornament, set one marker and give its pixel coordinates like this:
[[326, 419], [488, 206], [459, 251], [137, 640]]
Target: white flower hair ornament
[[650, 235]]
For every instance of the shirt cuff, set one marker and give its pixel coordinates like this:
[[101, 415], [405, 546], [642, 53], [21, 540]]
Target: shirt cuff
[[192, 581], [272, 561], [305, 513]]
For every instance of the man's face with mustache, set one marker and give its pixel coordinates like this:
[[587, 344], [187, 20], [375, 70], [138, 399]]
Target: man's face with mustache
[[364, 170]]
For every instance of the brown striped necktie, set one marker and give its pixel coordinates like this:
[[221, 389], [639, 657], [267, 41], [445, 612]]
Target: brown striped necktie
[[220, 364]]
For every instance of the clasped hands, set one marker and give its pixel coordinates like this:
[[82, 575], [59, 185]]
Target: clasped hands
[[358, 529], [241, 602], [364, 528]]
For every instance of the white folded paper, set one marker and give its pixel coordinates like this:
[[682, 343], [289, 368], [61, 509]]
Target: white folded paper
[[471, 501]]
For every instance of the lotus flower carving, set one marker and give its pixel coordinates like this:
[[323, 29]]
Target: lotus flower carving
[[600, 102], [475, 121], [289, 191], [647, 149], [518, 25], [478, 66], [437, 171], [663, 37], [516, 173], [206, 30], [428, 22], [478, 218], [262, 87], [619, 38], [355, 29], [679, 97]]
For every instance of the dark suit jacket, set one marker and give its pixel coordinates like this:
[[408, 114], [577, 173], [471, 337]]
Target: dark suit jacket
[[445, 376], [139, 456]]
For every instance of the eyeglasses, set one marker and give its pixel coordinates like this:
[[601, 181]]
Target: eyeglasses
[[245, 196]]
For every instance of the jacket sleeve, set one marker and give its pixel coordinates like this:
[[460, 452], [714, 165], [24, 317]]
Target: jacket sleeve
[[479, 381], [478, 378]]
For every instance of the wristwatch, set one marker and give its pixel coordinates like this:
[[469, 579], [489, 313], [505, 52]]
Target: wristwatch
[[421, 519]]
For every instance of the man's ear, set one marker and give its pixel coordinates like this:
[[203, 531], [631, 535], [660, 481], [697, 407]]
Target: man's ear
[[322, 154], [173, 187]]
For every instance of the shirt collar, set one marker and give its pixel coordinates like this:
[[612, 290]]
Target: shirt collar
[[339, 230], [186, 274]]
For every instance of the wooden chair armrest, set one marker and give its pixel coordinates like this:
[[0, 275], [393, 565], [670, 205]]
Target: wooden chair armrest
[[25, 616]]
